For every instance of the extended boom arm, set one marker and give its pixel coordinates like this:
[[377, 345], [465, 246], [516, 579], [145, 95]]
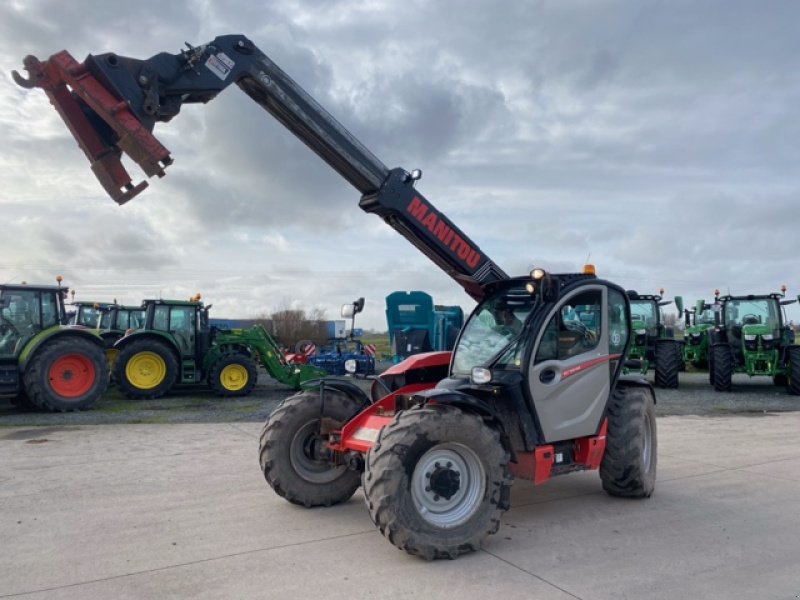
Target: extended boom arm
[[111, 103]]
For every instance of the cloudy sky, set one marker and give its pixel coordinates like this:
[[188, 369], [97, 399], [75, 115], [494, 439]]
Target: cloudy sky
[[659, 139]]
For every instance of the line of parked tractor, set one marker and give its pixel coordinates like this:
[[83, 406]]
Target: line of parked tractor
[[58, 359]]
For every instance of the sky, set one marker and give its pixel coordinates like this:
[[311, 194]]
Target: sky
[[658, 140]]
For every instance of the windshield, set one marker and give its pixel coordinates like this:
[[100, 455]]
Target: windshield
[[645, 310], [88, 316], [491, 329], [758, 311], [705, 318]]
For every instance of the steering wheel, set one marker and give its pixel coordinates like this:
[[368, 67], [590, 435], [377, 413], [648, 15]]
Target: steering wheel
[[6, 326], [750, 319]]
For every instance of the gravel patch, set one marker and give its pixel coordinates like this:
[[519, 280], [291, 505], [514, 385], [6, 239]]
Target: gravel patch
[[750, 396]]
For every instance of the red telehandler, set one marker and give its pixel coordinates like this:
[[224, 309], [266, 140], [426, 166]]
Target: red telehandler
[[532, 390]]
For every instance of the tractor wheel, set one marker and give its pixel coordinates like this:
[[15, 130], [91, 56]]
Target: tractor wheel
[[437, 481], [793, 386], [668, 361], [628, 468], [145, 369], [293, 453], [722, 368], [233, 374], [66, 374], [711, 366]]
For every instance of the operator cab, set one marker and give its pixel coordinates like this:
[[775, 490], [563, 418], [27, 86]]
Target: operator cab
[[554, 344], [25, 311]]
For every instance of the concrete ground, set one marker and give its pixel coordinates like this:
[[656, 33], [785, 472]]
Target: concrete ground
[[182, 511]]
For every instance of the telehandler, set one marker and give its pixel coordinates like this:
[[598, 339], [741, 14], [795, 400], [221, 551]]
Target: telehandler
[[529, 391]]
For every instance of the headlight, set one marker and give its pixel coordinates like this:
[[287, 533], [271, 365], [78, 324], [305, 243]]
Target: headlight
[[350, 365], [481, 375], [749, 338], [641, 331], [696, 335], [767, 336]]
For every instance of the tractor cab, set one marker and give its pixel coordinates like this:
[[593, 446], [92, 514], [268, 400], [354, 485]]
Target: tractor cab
[[26, 310], [87, 314], [116, 320], [552, 346], [751, 323]]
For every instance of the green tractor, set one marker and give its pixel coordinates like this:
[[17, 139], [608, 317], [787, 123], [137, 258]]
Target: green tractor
[[176, 345], [696, 337], [87, 314], [116, 320], [45, 363], [654, 345], [751, 336]]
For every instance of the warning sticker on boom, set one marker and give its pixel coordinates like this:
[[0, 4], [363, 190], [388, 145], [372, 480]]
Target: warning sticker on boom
[[220, 65]]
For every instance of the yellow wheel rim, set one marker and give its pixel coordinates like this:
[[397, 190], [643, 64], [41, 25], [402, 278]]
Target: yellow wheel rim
[[233, 377], [146, 370]]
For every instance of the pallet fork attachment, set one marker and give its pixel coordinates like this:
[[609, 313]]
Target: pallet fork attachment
[[71, 88]]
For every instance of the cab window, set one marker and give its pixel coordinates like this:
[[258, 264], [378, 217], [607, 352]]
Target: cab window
[[573, 329]]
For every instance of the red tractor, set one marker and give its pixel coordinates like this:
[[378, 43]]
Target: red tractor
[[532, 390]]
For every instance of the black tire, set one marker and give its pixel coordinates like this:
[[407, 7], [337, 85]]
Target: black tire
[[629, 464], [132, 356], [22, 402], [447, 446], [66, 374], [287, 444], [723, 368], [233, 374], [793, 386], [711, 366], [668, 359]]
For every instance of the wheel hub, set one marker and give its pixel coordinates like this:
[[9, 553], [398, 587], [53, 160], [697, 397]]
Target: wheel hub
[[448, 484], [444, 481]]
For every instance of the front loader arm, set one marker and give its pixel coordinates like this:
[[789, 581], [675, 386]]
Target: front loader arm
[[111, 104]]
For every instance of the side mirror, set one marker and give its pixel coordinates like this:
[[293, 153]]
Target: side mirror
[[348, 310], [350, 366], [679, 304], [699, 307]]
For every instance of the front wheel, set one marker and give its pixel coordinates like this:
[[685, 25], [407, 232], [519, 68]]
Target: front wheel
[[293, 451], [233, 375], [629, 464], [723, 368], [793, 379], [668, 359], [437, 481]]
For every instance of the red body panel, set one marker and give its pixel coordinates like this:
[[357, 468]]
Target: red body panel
[[420, 361]]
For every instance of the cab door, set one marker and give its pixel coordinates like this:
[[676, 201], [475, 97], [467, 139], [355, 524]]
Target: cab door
[[570, 377]]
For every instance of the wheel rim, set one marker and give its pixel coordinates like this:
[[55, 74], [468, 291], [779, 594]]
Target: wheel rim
[[302, 455], [146, 370], [72, 375], [234, 377], [448, 484], [647, 450]]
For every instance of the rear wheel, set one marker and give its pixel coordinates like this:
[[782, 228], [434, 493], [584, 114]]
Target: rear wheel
[[793, 385], [723, 368], [668, 361], [293, 451], [233, 375], [145, 369], [628, 468], [66, 374], [437, 481]]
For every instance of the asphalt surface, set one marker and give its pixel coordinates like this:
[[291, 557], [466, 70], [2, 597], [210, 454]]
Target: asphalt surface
[[175, 507]]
